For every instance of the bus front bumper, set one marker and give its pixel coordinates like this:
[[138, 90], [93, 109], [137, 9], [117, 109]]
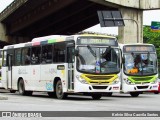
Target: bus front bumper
[[79, 87], [139, 87]]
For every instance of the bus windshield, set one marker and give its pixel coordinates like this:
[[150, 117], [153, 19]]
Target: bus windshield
[[140, 63], [93, 59]]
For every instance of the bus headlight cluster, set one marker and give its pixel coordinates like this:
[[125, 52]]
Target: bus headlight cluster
[[116, 81], [128, 81], [82, 80], [156, 80]]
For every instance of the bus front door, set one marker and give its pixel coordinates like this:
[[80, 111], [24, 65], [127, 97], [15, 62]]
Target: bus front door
[[9, 80], [70, 61]]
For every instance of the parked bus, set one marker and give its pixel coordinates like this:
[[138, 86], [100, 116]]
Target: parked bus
[[139, 68], [61, 65]]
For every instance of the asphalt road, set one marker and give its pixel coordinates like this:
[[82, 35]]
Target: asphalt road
[[40, 101]]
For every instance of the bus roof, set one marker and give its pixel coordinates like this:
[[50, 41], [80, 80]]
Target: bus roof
[[38, 41], [47, 38], [52, 39], [94, 35], [15, 46]]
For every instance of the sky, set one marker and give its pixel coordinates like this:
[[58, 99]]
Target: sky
[[148, 16], [4, 4]]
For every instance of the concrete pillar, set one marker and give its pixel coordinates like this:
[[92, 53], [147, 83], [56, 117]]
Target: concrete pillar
[[11, 39], [128, 33], [3, 36]]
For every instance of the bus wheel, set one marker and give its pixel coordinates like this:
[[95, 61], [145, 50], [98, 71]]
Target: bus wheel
[[134, 94], [96, 96], [156, 92], [12, 91], [21, 87], [109, 94], [29, 93], [51, 94], [59, 90]]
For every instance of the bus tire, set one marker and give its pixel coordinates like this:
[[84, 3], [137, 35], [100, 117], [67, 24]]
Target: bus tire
[[12, 91], [109, 94], [29, 93], [51, 94], [21, 87], [96, 96], [59, 90], [134, 94], [156, 92]]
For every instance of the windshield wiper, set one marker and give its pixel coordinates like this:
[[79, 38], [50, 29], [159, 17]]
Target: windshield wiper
[[90, 49]]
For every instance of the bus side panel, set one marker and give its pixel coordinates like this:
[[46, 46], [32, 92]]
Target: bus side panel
[[35, 78], [48, 72], [64, 74], [4, 77], [15, 75], [23, 72], [28, 82]]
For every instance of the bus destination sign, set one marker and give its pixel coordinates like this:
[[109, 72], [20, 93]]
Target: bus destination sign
[[96, 41], [139, 48]]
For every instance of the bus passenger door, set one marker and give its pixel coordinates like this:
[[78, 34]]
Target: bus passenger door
[[70, 61], [9, 75]]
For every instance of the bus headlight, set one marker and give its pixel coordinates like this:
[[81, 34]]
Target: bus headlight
[[128, 81], [81, 79], [116, 81], [154, 82]]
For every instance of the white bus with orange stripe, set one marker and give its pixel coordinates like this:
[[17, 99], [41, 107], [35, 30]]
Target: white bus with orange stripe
[[62, 65]]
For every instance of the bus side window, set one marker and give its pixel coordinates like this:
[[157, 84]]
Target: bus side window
[[17, 57], [59, 52], [36, 53], [43, 55], [4, 58], [46, 56], [25, 56], [10, 52], [54, 54]]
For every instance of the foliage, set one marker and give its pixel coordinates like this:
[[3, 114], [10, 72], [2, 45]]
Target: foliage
[[152, 38]]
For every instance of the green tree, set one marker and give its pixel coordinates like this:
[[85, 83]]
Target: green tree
[[152, 37]]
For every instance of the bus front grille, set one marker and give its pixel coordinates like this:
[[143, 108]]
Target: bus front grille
[[99, 79], [142, 79], [142, 87], [99, 87]]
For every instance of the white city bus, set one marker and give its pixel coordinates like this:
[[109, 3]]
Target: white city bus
[[61, 65], [139, 68]]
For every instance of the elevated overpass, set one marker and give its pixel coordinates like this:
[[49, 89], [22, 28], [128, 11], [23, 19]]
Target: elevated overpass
[[23, 20], [135, 4]]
